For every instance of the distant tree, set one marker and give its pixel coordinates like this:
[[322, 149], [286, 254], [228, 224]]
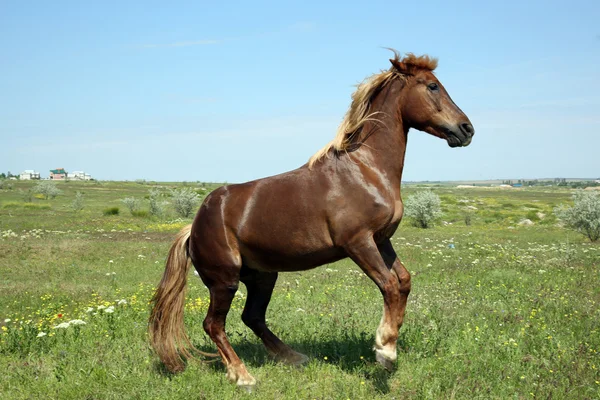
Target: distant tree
[[77, 204], [185, 201], [2, 175], [423, 207], [47, 188], [157, 207], [584, 216]]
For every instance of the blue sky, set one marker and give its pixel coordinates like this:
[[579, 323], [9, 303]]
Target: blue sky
[[240, 90]]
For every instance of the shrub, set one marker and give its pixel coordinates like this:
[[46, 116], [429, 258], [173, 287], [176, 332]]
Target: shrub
[[584, 216], [111, 211], [30, 206], [185, 201], [468, 216], [36, 206], [423, 207], [47, 188], [532, 215], [132, 204], [157, 207], [5, 185], [27, 196], [140, 213], [77, 204]]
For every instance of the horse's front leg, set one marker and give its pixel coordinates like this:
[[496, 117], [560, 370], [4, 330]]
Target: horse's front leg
[[378, 264]]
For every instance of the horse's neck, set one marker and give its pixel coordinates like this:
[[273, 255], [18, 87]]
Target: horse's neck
[[385, 146]]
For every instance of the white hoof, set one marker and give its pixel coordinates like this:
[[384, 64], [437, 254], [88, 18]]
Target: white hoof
[[241, 378], [386, 358]]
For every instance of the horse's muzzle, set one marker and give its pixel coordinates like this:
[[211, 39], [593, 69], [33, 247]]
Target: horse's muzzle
[[460, 137]]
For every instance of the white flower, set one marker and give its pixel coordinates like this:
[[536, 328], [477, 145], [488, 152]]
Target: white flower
[[7, 320], [109, 309], [101, 307], [110, 261], [141, 256], [122, 301], [63, 325], [77, 322], [89, 309], [41, 334]]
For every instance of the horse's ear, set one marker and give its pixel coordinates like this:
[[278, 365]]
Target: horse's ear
[[401, 67]]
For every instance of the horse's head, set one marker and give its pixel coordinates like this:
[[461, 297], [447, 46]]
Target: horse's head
[[426, 105]]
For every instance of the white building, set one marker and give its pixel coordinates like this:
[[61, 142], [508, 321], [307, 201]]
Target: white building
[[79, 176], [28, 175]]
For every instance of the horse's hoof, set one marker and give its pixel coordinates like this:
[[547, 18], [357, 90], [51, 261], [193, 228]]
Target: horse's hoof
[[384, 361], [294, 359], [247, 388]]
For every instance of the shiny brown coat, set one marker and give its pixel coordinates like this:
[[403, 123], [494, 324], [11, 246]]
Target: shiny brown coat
[[346, 204]]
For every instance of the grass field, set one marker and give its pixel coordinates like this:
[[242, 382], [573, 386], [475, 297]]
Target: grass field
[[497, 310]]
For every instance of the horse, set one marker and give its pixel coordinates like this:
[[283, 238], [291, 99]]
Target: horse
[[344, 202]]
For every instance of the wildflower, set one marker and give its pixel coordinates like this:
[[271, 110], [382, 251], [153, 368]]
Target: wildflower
[[41, 334], [62, 325], [101, 307], [59, 315], [122, 301], [7, 320], [110, 261], [110, 309], [325, 358], [77, 322], [89, 309]]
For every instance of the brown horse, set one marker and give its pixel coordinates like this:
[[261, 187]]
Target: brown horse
[[345, 202]]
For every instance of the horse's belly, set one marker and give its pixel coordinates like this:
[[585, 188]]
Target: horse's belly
[[292, 260]]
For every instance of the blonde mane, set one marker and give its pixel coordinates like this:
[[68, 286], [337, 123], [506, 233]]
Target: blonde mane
[[350, 130]]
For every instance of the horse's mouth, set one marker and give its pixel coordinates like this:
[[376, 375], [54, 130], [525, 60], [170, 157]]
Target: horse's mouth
[[457, 139]]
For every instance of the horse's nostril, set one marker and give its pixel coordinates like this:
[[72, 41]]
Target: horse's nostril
[[467, 128]]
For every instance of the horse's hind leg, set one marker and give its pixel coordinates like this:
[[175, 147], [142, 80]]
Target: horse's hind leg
[[260, 287], [221, 296]]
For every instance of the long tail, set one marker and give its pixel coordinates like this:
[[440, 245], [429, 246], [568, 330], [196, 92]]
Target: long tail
[[166, 328]]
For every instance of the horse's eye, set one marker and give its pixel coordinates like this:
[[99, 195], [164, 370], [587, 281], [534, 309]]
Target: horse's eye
[[433, 87]]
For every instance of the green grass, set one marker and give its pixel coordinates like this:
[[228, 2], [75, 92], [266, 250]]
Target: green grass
[[509, 312]]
